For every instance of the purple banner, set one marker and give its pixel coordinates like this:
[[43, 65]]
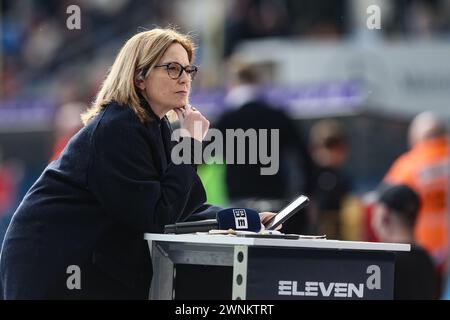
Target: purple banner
[[300, 101], [19, 114]]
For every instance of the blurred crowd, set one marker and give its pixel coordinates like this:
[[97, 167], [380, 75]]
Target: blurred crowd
[[41, 57], [39, 51]]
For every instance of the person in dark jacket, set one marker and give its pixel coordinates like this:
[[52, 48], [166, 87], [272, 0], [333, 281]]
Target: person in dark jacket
[[78, 233], [394, 217], [250, 110]]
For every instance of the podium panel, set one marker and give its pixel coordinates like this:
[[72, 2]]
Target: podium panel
[[227, 267], [319, 274]]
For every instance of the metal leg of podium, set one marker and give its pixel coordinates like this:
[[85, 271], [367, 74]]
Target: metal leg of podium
[[240, 260], [163, 274]]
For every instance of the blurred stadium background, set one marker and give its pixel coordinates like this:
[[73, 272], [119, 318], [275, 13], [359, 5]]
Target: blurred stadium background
[[320, 58]]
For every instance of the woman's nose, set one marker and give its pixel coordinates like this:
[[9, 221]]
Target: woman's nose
[[185, 77]]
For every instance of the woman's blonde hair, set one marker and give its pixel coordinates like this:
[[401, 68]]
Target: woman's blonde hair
[[137, 57]]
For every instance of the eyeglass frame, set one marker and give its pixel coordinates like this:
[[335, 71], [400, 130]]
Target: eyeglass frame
[[166, 65]]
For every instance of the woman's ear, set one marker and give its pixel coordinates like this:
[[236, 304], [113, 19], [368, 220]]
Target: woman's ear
[[140, 82]]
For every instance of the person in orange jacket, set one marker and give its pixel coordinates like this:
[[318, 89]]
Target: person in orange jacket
[[426, 169]]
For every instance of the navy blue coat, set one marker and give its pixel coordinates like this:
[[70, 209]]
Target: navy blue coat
[[113, 182]]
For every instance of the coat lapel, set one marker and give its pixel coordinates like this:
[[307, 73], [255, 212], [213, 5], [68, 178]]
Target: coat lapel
[[166, 130]]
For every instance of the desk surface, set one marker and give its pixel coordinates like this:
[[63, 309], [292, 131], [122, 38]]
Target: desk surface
[[230, 240]]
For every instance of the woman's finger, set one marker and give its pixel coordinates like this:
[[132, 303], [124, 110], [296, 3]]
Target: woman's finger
[[178, 111], [189, 108], [179, 114], [266, 216]]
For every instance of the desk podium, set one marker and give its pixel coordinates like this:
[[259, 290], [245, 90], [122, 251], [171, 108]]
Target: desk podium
[[266, 268]]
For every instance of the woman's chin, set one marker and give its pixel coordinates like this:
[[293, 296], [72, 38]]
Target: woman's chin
[[180, 104]]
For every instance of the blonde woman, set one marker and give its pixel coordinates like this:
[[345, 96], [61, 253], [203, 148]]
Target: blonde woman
[[78, 233]]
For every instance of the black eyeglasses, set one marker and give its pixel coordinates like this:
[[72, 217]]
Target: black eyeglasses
[[174, 70]]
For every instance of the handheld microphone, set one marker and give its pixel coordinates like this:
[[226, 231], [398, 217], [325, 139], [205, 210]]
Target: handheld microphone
[[239, 219], [191, 227]]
